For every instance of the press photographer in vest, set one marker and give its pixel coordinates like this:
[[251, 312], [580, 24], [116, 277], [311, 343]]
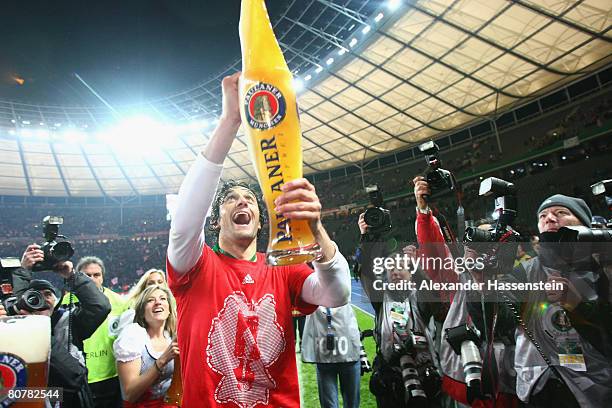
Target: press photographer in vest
[[70, 324]]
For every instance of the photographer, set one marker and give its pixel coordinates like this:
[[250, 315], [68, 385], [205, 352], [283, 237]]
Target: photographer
[[489, 383], [69, 327], [563, 337], [331, 340], [403, 371]]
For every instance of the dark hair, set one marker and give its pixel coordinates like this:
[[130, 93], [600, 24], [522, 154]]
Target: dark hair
[[88, 260], [220, 198]]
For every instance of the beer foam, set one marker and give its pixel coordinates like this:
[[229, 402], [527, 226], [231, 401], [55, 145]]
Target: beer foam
[[28, 337]]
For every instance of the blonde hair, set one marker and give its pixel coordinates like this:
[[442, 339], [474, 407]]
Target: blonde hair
[[141, 301], [137, 289]]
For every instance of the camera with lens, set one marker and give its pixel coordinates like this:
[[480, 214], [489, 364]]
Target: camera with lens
[[31, 300], [54, 251], [563, 242], [377, 218], [498, 256], [363, 356], [465, 342], [405, 345], [505, 213], [439, 179], [416, 384], [578, 233]]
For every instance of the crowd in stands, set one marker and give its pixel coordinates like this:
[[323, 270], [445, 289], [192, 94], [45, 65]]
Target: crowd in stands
[[583, 116], [88, 221]]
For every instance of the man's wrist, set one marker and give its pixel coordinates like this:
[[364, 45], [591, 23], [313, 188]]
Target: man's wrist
[[424, 210], [318, 231], [327, 246], [228, 122]]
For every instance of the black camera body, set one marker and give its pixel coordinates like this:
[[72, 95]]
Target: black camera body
[[578, 233], [330, 340], [439, 179], [563, 243], [457, 335], [31, 300], [54, 251], [377, 218]]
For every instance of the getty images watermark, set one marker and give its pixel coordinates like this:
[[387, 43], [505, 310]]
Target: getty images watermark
[[475, 265]]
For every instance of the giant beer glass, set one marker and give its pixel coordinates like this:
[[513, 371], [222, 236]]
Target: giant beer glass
[[271, 125], [25, 343]]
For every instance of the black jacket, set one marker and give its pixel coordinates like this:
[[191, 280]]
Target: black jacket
[[88, 314]]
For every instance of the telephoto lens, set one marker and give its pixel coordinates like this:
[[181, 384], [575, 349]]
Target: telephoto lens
[[31, 301], [414, 394], [363, 359], [472, 368], [465, 342], [61, 251], [473, 234]]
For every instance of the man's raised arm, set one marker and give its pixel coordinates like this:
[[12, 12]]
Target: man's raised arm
[[198, 188]]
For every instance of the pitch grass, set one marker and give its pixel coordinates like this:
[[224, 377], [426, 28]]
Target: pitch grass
[[308, 372]]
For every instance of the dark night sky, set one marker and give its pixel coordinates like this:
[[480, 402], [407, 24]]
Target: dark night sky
[[127, 50]]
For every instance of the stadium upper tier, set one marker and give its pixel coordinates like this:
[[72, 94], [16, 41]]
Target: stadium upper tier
[[376, 77]]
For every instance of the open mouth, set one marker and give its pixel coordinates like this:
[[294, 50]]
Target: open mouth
[[241, 218], [158, 310]]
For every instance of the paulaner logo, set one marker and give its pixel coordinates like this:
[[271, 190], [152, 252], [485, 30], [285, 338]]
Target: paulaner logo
[[13, 374], [275, 178], [264, 106]]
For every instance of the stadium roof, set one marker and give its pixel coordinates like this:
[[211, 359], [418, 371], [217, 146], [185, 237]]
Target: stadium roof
[[375, 80]]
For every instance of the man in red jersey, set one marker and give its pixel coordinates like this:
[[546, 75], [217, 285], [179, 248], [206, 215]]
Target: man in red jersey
[[234, 311]]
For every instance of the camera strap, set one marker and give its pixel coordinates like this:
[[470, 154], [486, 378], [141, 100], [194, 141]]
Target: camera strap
[[447, 233], [71, 286]]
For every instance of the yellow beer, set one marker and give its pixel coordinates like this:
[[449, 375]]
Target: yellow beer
[[25, 343], [271, 124], [174, 395]]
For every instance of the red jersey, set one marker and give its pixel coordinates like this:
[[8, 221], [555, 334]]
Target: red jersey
[[235, 331]]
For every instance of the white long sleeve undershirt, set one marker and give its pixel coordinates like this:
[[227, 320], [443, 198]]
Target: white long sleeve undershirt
[[328, 286]]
